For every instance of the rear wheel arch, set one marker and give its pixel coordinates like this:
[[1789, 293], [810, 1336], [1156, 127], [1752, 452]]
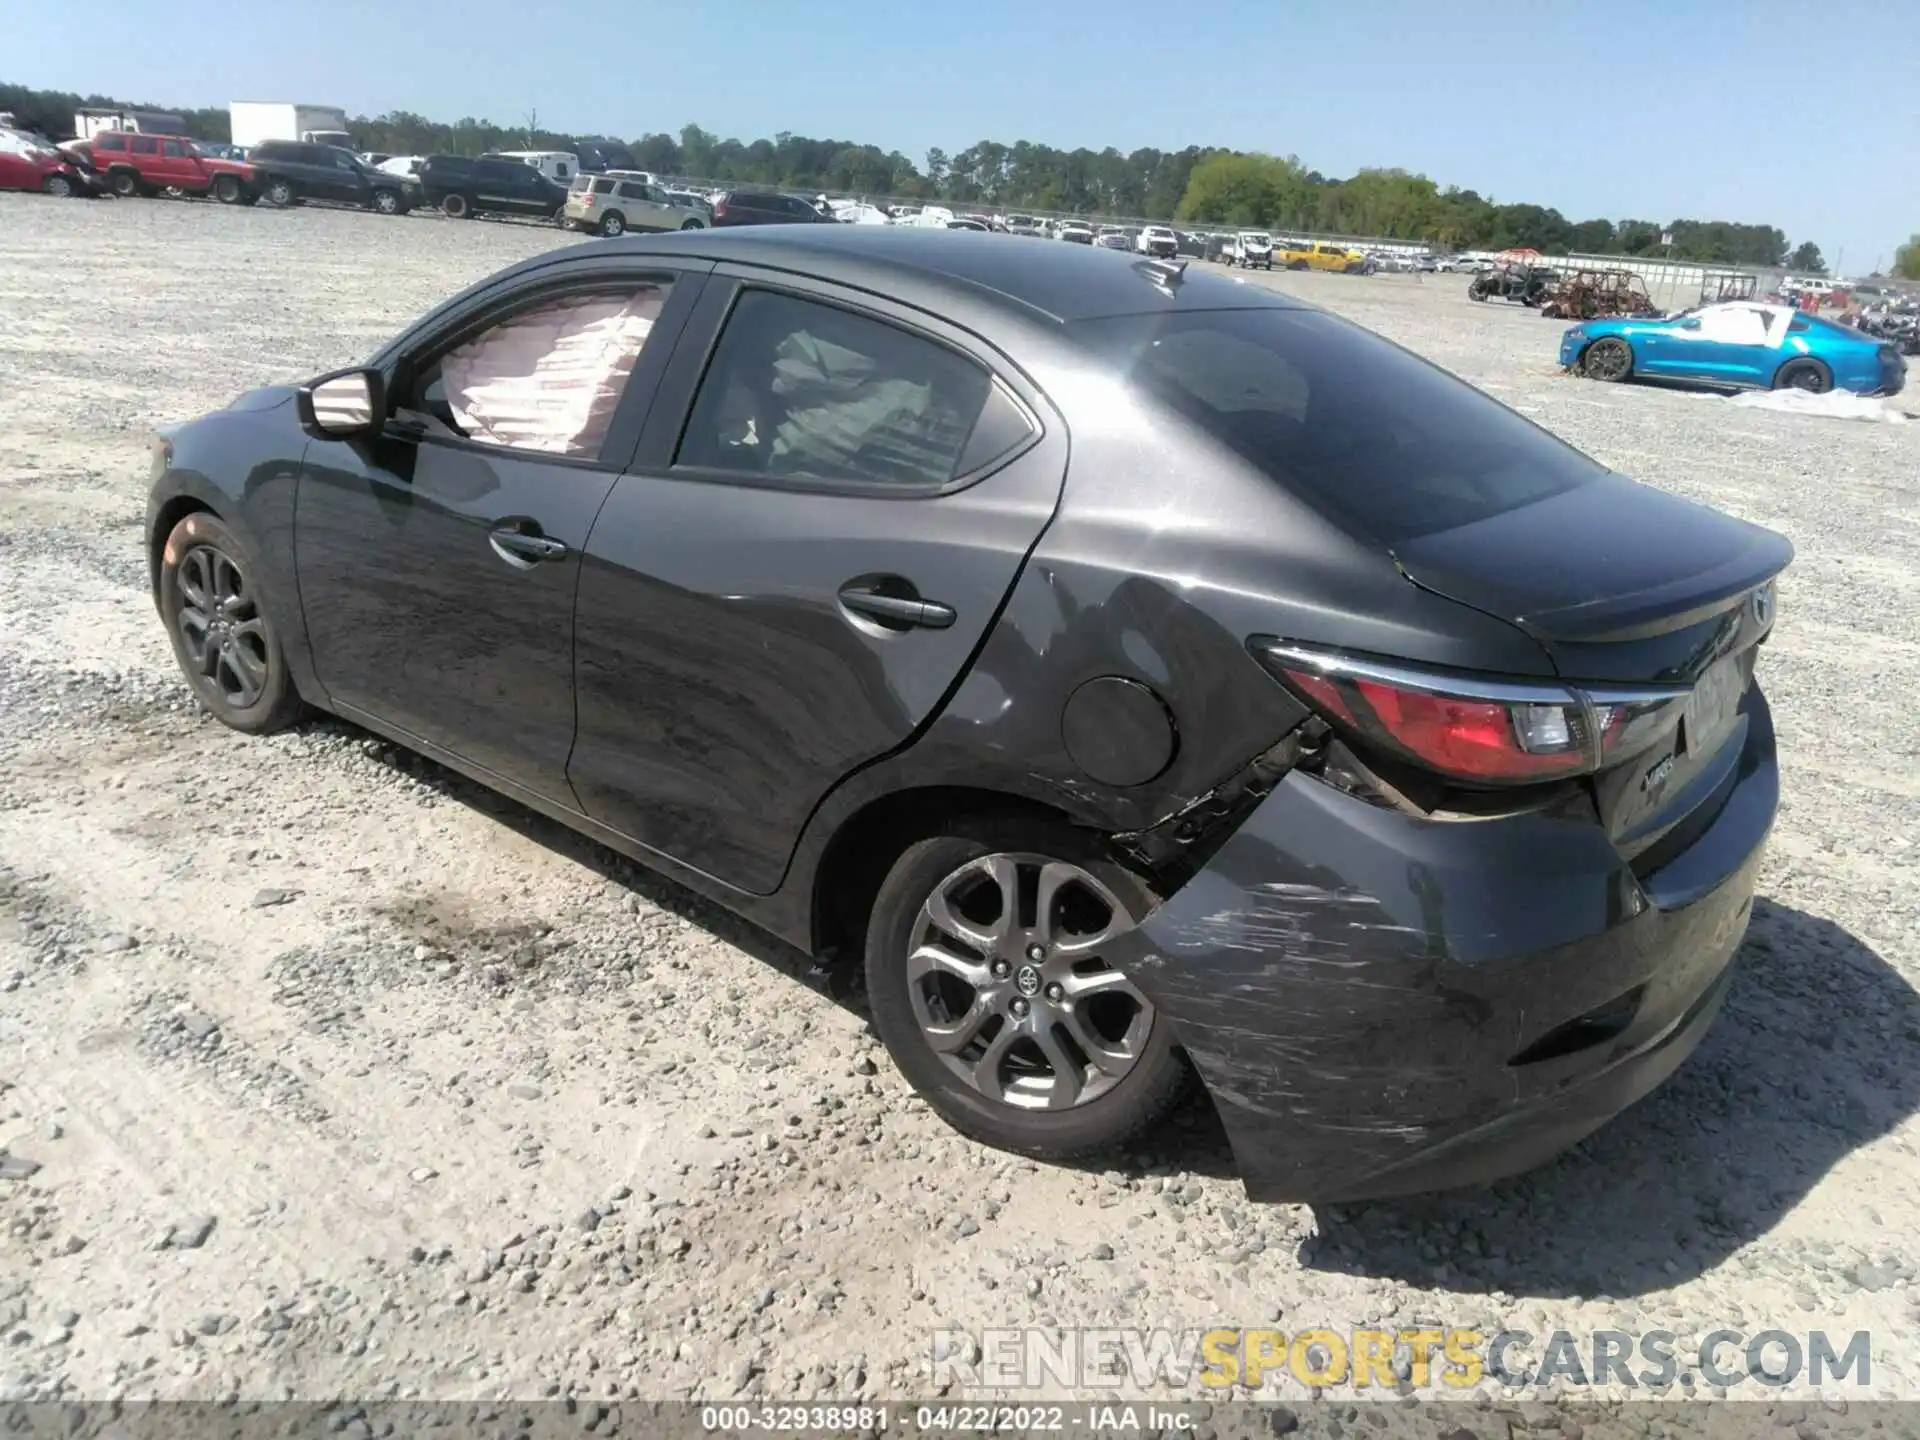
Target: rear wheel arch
[[854, 863]]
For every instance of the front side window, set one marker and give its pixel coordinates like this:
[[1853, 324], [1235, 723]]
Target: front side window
[[798, 390], [1383, 441], [549, 378], [145, 145], [174, 149]]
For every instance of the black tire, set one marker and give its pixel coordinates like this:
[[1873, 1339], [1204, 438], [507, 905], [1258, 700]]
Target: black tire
[[693, 224], [124, 183], [385, 202], [1132, 1105], [1477, 291], [223, 639], [57, 185], [455, 207], [1609, 360], [1804, 374], [1297, 265], [613, 224], [226, 189], [278, 193]]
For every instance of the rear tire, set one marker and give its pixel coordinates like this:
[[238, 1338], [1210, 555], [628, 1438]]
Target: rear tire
[[279, 193], [694, 225], [212, 601], [124, 183], [455, 207], [1033, 1084], [1808, 375]]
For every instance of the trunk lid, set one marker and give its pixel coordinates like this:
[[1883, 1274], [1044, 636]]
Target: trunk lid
[[1628, 587], [1619, 581]]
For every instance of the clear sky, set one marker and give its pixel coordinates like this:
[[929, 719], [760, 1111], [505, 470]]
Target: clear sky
[[1768, 111]]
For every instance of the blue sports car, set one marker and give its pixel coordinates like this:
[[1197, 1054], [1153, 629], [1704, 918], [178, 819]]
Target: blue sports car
[[1743, 343]]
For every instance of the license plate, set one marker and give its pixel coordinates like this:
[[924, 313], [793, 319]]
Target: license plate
[[1710, 708]]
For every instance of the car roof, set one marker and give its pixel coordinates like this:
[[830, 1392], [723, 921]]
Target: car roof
[[930, 267]]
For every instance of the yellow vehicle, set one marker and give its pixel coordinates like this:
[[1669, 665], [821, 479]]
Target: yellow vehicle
[[1319, 255]]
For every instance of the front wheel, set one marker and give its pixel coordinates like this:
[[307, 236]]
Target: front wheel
[[990, 980], [1607, 360], [694, 225], [613, 224], [227, 190], [210, 597], [1808, 375], [386, 202], [57, 185]]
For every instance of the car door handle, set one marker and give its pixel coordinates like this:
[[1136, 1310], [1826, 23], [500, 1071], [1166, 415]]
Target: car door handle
[[518, 547], [898, 612]]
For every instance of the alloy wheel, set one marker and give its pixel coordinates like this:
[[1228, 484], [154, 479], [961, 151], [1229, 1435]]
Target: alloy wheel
[[60, 186], [221, 626], [1608, 360], [1008, 981]]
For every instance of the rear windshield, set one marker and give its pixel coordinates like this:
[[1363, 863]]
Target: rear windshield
[[1386, 444]]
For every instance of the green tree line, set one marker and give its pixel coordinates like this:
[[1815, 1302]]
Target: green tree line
[[1197, 185]]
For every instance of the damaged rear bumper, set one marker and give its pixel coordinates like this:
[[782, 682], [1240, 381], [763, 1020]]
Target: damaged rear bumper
[[1381, 1004]]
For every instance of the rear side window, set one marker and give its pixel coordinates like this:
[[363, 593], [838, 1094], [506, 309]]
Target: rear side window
[[112, 142], [145, 145], [173, 148], [798, 390], [1390, 446], [632, 190]]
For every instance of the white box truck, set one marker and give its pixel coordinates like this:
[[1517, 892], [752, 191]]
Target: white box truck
[[257, 120]]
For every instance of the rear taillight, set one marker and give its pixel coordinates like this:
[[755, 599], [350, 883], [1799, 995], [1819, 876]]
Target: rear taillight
[[1470, 728]]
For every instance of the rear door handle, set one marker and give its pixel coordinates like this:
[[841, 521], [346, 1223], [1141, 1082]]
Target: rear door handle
[[896, 612], [518, 547]]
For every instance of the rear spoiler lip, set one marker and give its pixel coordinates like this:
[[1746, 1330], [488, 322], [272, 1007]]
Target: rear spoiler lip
[[1643, 613]]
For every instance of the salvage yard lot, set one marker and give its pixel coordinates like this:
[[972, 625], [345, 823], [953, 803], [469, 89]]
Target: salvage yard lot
[[476, 1108]]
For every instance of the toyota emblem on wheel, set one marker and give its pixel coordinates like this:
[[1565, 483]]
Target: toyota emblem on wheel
[[1027, 982]]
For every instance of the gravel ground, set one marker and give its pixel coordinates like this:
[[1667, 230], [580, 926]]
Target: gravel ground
[[324, 1073]]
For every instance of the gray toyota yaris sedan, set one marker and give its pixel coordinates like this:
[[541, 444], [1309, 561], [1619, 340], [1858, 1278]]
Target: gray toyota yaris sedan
[[1145, 675]]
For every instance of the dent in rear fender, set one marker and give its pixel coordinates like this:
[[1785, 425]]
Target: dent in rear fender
[[1352, 983], [1350, 970]]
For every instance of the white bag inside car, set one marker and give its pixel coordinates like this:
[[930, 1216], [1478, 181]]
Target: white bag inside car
[[550, 378]]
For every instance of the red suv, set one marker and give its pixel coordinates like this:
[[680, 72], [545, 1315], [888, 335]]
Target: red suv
[[139, 164]]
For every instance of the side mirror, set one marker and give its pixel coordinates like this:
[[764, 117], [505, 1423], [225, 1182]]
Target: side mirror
[[346, 403], [1693, 324]]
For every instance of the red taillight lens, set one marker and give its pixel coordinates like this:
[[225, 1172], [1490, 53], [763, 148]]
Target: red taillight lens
[[719, 208], [1484, 731]]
